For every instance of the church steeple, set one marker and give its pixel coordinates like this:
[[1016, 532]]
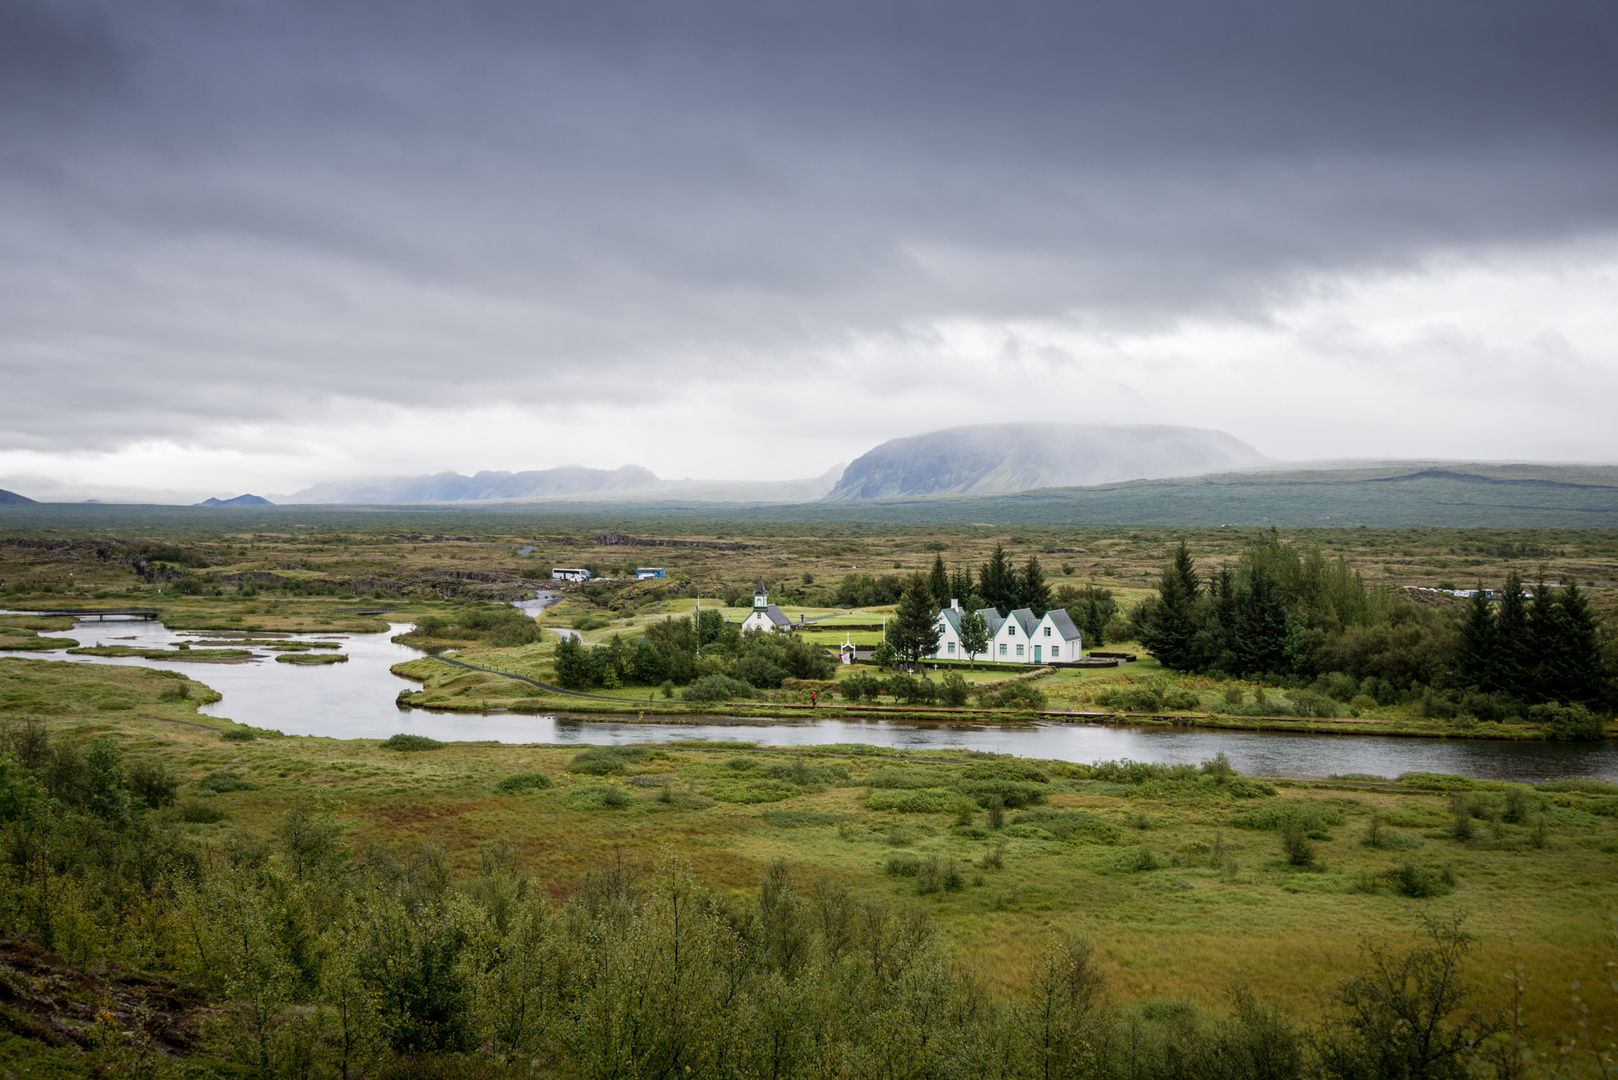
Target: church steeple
[[761, 597]]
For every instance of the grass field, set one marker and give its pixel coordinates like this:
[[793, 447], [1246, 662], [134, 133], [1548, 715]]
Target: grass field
[[1181, 880]]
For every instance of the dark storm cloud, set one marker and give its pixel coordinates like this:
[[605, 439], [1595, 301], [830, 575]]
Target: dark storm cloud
[[215, 211]]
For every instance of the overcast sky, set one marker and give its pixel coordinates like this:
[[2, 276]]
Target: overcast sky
[[250, 246]]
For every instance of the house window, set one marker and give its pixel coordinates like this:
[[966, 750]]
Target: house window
[[952, 647], [1011, 630], [1002, 648], [1056, 650], [1019, 650], [1047, 631]]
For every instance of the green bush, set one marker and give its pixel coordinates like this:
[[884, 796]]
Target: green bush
[[1428, 781], [599, 797], [152, 784], [747, 792], [238, 734], [1077, 826], [1309, 816], [1016, 695], [1420, 883], [1005, 770], [1567, 723], [904, 778], [717, 688], [802, 773], [200, 814], [517, 783], [411, 743], [223, 781], [903, 865], [1010, 793]]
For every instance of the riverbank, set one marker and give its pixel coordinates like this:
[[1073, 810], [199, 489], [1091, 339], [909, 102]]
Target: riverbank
[[456, 686]]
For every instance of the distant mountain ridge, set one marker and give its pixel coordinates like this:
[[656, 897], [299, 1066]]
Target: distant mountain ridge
[[11, 498], [240, 500], [991, 459], [567, 481]]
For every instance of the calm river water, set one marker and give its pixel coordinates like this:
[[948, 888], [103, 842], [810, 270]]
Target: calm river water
[[356, 700]]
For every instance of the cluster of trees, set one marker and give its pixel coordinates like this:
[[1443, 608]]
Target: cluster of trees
[[317, 961], [1285, 613], [681, 651], [998, 584]]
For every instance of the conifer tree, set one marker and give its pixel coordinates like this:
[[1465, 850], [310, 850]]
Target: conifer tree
[[913, 633], [997, 582], [1170, 625], [1511, 641], [1033, 592], [1476, 643], [1544, 637], [1261, 626], [960, 585], [1571, 666], [938, 583]]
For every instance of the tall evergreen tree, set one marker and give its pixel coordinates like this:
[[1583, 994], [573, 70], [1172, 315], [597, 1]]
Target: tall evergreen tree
[[1170, 622], [938, 583], [1570, 671], [913, 632], [1214, 644], [961, 586], [1544, 638], [1261, 626], [1475, 646], [1091, 608], [1033, 592], [997, 581], [1512, 667]]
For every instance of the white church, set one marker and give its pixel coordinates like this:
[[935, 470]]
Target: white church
[[1020, 638], [766, 616]]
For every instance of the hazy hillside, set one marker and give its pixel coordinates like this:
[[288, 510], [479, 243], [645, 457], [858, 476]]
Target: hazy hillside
[[998, 458], [570, 481], [11, 498]]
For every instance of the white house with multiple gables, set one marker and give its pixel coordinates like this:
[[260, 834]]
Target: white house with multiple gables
[[1020, 638], [766, 616]]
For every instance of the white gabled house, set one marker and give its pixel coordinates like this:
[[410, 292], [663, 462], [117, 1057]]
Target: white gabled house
[[1020, 638], [765, 616]]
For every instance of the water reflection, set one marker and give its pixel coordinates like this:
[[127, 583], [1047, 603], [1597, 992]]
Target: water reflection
[[356, 700]]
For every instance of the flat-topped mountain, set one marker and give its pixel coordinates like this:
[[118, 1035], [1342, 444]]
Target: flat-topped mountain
[[988, 459]]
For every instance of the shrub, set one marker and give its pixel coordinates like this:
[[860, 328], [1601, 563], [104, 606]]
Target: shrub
[[903, 778], [1016, 695], [517, 783], [223, 781], [1005, 770], [1361, 703], [238, 734], [1420, 883], [411, 743], [1139, 860], [956, 691], [1295, 845], [901, 864], [200, 814], [802, 773], [599, 797], [1436, 781], [1077, 826], [1311, 817], [717, 688], [1567, 723], [1309, 703], [152, 784], [861, 686], [1012, 793], [586, 623], [747, 792], [605, 760], [936, 875]]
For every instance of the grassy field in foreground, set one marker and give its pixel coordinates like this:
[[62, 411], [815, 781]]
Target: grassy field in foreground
[[1182, 880]]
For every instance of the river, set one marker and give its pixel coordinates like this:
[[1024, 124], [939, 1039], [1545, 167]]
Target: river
[[356, 700]]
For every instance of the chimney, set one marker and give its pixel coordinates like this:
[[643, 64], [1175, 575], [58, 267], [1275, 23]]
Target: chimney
[[954, 605]]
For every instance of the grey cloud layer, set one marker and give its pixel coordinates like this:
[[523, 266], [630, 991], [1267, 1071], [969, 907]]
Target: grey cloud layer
[[214, 212]]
